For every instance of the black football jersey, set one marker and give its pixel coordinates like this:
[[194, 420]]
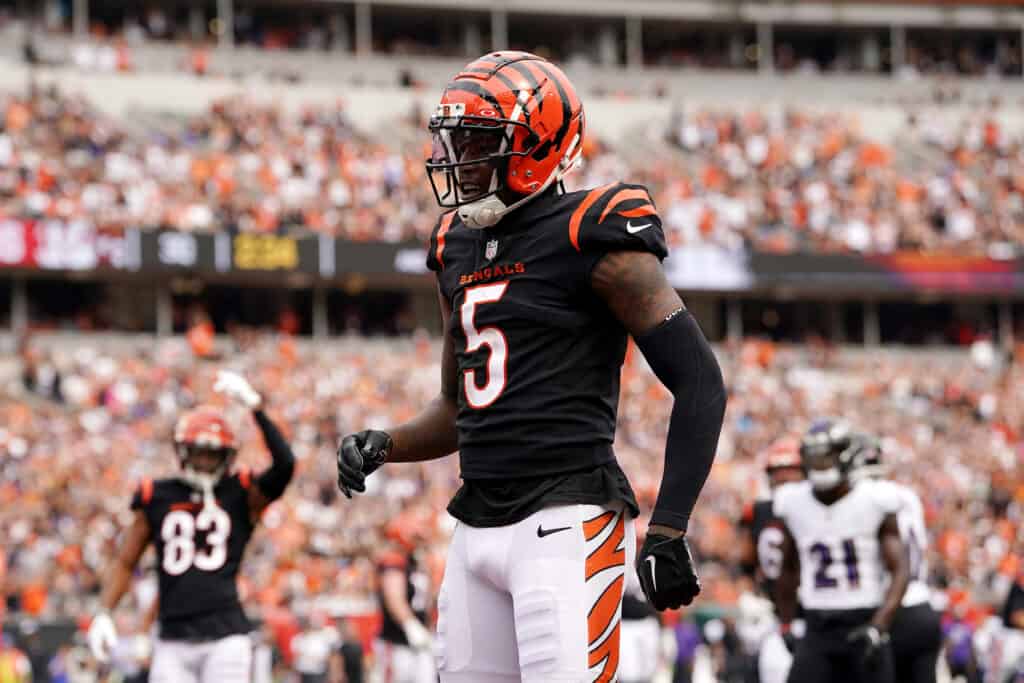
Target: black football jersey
[[198, 554], [539, 353], [766, 531], [417, 591]]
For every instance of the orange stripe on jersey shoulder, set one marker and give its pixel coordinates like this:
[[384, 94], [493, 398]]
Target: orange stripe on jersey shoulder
[[576, 220], [642, 210], [446, 223], [245, 476], [623, 196], [147, 490]]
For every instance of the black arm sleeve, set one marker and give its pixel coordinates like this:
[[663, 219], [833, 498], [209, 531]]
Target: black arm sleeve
[[273, 480], [681, 358]]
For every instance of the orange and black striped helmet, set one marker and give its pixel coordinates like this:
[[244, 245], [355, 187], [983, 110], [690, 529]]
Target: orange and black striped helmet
[[508, 126], [204, 428]]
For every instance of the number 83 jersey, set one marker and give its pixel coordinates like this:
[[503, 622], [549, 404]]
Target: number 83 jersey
[[538, 351], [841, 564], [198, 552]]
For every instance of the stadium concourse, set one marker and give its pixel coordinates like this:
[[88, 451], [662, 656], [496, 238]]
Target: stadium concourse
[[84, 418]]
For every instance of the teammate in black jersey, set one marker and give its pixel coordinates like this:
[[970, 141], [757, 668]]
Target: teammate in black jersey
[[402, 650], [762, 553], [539, 290], [200, 523]]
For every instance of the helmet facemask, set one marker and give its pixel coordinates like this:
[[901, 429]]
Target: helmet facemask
[[204, 479], [826, 453], [470, 158]]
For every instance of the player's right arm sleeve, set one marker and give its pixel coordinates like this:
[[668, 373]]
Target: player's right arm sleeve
[[889, 497], [274, 480]]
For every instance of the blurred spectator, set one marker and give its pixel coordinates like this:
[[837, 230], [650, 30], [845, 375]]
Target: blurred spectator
[[14, 665], [312, 649]]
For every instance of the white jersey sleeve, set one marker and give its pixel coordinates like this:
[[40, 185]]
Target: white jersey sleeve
[[914, 533], [783, 496], [840, 556]]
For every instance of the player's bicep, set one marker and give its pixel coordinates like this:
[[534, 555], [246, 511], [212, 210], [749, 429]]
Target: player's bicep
[[393, 592], [790, 556], [894, 552], [136, 539], [258, 502], [449, 366], [748, 551], [635, 289]]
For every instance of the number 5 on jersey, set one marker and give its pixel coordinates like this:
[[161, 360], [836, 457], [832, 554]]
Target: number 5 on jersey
[[491, 337]]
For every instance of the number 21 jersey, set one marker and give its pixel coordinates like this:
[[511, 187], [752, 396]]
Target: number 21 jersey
[[538, 351], [198, 553], [841, 564]]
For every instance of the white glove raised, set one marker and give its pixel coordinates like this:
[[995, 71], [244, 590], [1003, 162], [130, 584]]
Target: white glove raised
[[102, 636], [417, 635], [237, 388]]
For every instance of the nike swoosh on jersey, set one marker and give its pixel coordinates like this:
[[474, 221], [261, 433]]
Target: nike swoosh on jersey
[[542, 532], [630, 228], [651, 559]]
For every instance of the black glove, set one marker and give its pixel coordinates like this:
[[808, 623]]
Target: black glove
[[359, 455], [666, 572], [870, 642]]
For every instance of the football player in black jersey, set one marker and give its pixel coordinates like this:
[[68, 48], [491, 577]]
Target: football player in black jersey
[[403, 647], [200, 523], [539, 290], [762, 552]]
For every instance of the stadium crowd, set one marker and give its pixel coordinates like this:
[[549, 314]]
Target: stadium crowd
[[777, 181], [82, 422]]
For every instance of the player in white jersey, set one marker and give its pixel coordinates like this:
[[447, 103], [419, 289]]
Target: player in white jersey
[[840, 540], [917, 628]]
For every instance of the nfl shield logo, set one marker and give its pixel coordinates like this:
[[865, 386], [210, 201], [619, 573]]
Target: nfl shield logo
[[491, 250]]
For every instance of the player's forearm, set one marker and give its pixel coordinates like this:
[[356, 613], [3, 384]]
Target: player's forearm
[[275, 479], [897, 562], [429, 435], [398, 608], [681, 358], [883, 617], [118, 580], [785, 596]]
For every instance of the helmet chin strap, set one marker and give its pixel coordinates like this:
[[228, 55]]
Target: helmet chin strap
[[204, 482], [485, 212]]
